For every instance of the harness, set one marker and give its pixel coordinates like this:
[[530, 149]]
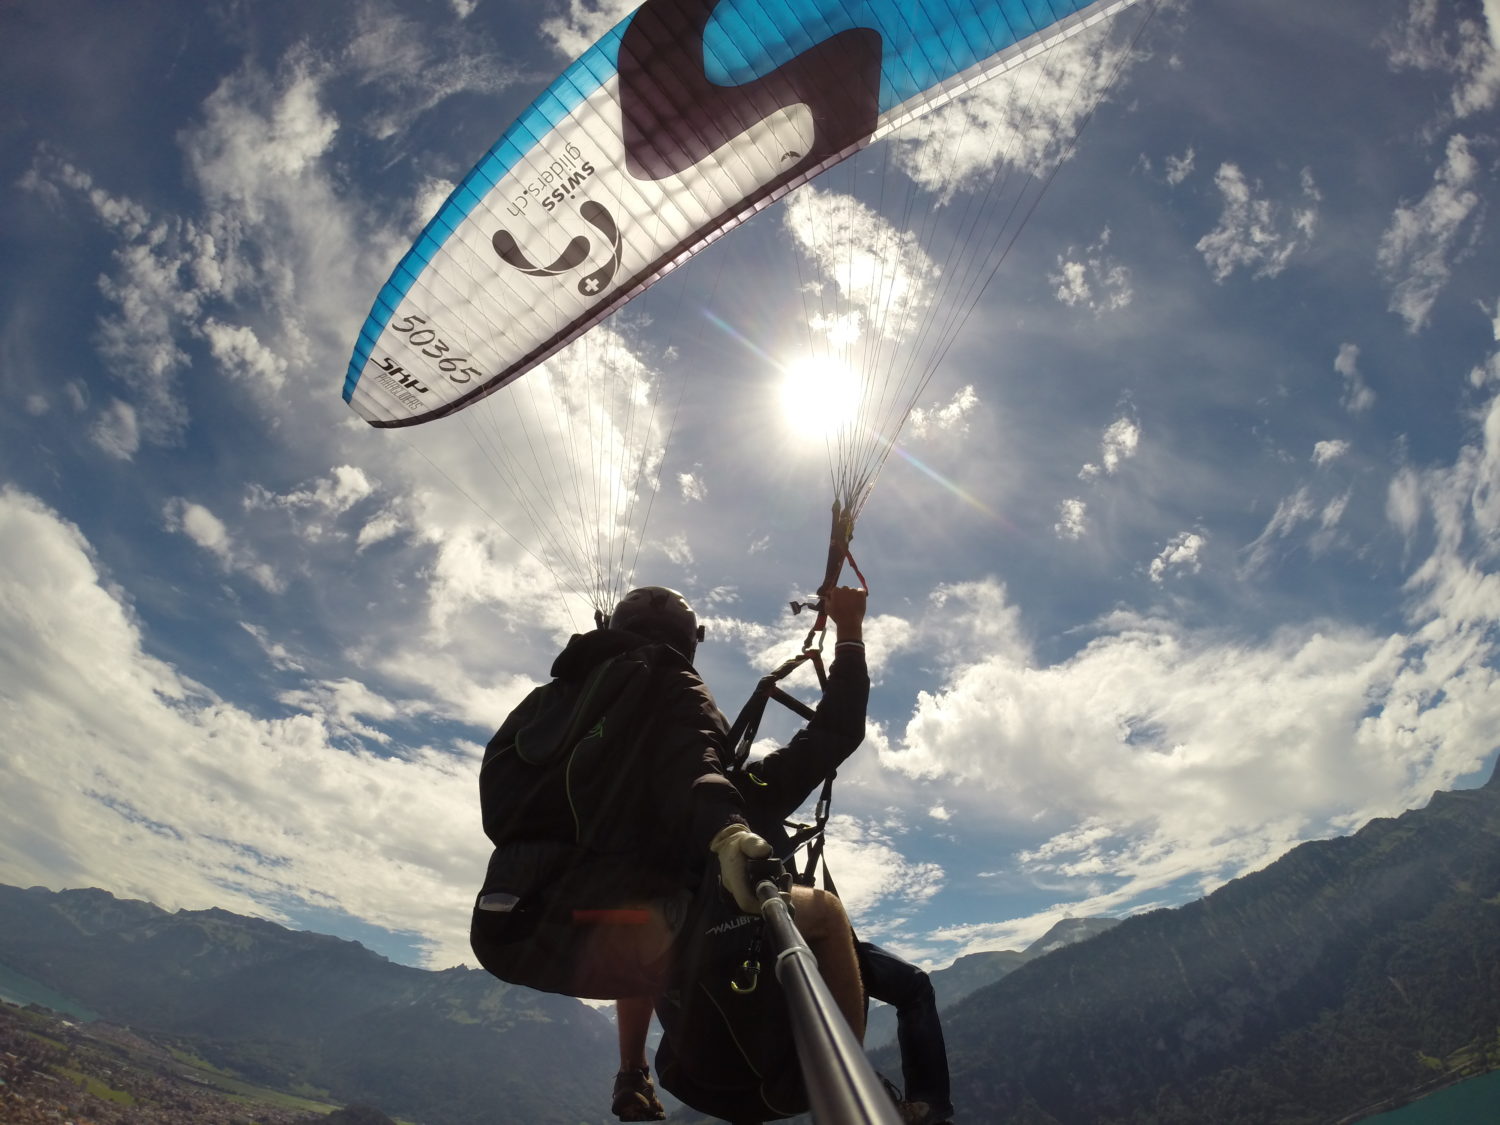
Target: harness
[[747, 723]]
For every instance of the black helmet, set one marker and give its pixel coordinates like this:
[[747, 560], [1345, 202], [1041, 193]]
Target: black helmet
[[659, 614]]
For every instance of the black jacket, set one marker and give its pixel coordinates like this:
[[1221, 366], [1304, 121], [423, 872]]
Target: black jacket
[[677, 768], [778, 784]]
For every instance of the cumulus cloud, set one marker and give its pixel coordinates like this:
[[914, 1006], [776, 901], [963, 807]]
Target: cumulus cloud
[[1024, 118], [241, 354], [344, 706], [1072, 519], [584, 23], [1121, 439], [1091, 278], [1326, 452], [316, 507], [1178, 758], [333, 495], [950, 417], [191, 801], [872, 873], [1173, 756], [1180, 554], [209, 532], [692, 485], [1257, 234], [1417, 250]]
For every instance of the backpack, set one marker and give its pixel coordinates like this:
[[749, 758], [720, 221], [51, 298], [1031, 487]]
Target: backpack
[[571, 902]]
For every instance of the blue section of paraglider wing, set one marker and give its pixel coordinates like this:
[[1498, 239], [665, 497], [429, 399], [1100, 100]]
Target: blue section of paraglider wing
[[925, 44], [572, 88]]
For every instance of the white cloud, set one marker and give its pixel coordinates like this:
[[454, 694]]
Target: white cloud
[[1181, 554], [1333, 511], [280, 656], [1256, 234], [344, 487], [1403, 503], [1180, 168], [1172, 756], [1290, 513], [124, 774], [1121, 440], [1025, 118], [872, 874], [559, 467], [432, 195], [209, 532], [1469, 49], [341, 706], [1178, 758], [261, 158], [880, 271], [404, 67], [316, 507], [678, 549], [1094, 279], [115, 431], [386, 525], [1326, 452], [584, 23], [951, 417], [1417, 250], [241, 354], [1358, 397], [1072, 519], [692, 485]]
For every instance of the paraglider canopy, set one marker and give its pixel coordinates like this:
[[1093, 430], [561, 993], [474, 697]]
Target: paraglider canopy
[[682, 122]]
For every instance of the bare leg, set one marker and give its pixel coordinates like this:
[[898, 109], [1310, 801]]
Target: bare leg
[[823, 924], [633, 1020], [634, 1097]]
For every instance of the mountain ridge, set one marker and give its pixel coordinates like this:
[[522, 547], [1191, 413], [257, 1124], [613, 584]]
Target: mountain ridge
[[1348, 973]]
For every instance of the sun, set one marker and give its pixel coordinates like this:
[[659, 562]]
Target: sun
[[819, 397]]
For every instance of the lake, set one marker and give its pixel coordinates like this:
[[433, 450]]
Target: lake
[[1475, 1101], [20, 989]]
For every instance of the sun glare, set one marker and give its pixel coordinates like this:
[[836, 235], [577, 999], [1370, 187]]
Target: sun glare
[[819, 397]]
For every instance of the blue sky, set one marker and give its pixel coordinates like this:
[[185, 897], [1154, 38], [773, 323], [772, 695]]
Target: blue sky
[[1187, 559]]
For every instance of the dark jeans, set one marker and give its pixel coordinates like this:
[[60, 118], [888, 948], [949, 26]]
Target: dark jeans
[[924, 1057]]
